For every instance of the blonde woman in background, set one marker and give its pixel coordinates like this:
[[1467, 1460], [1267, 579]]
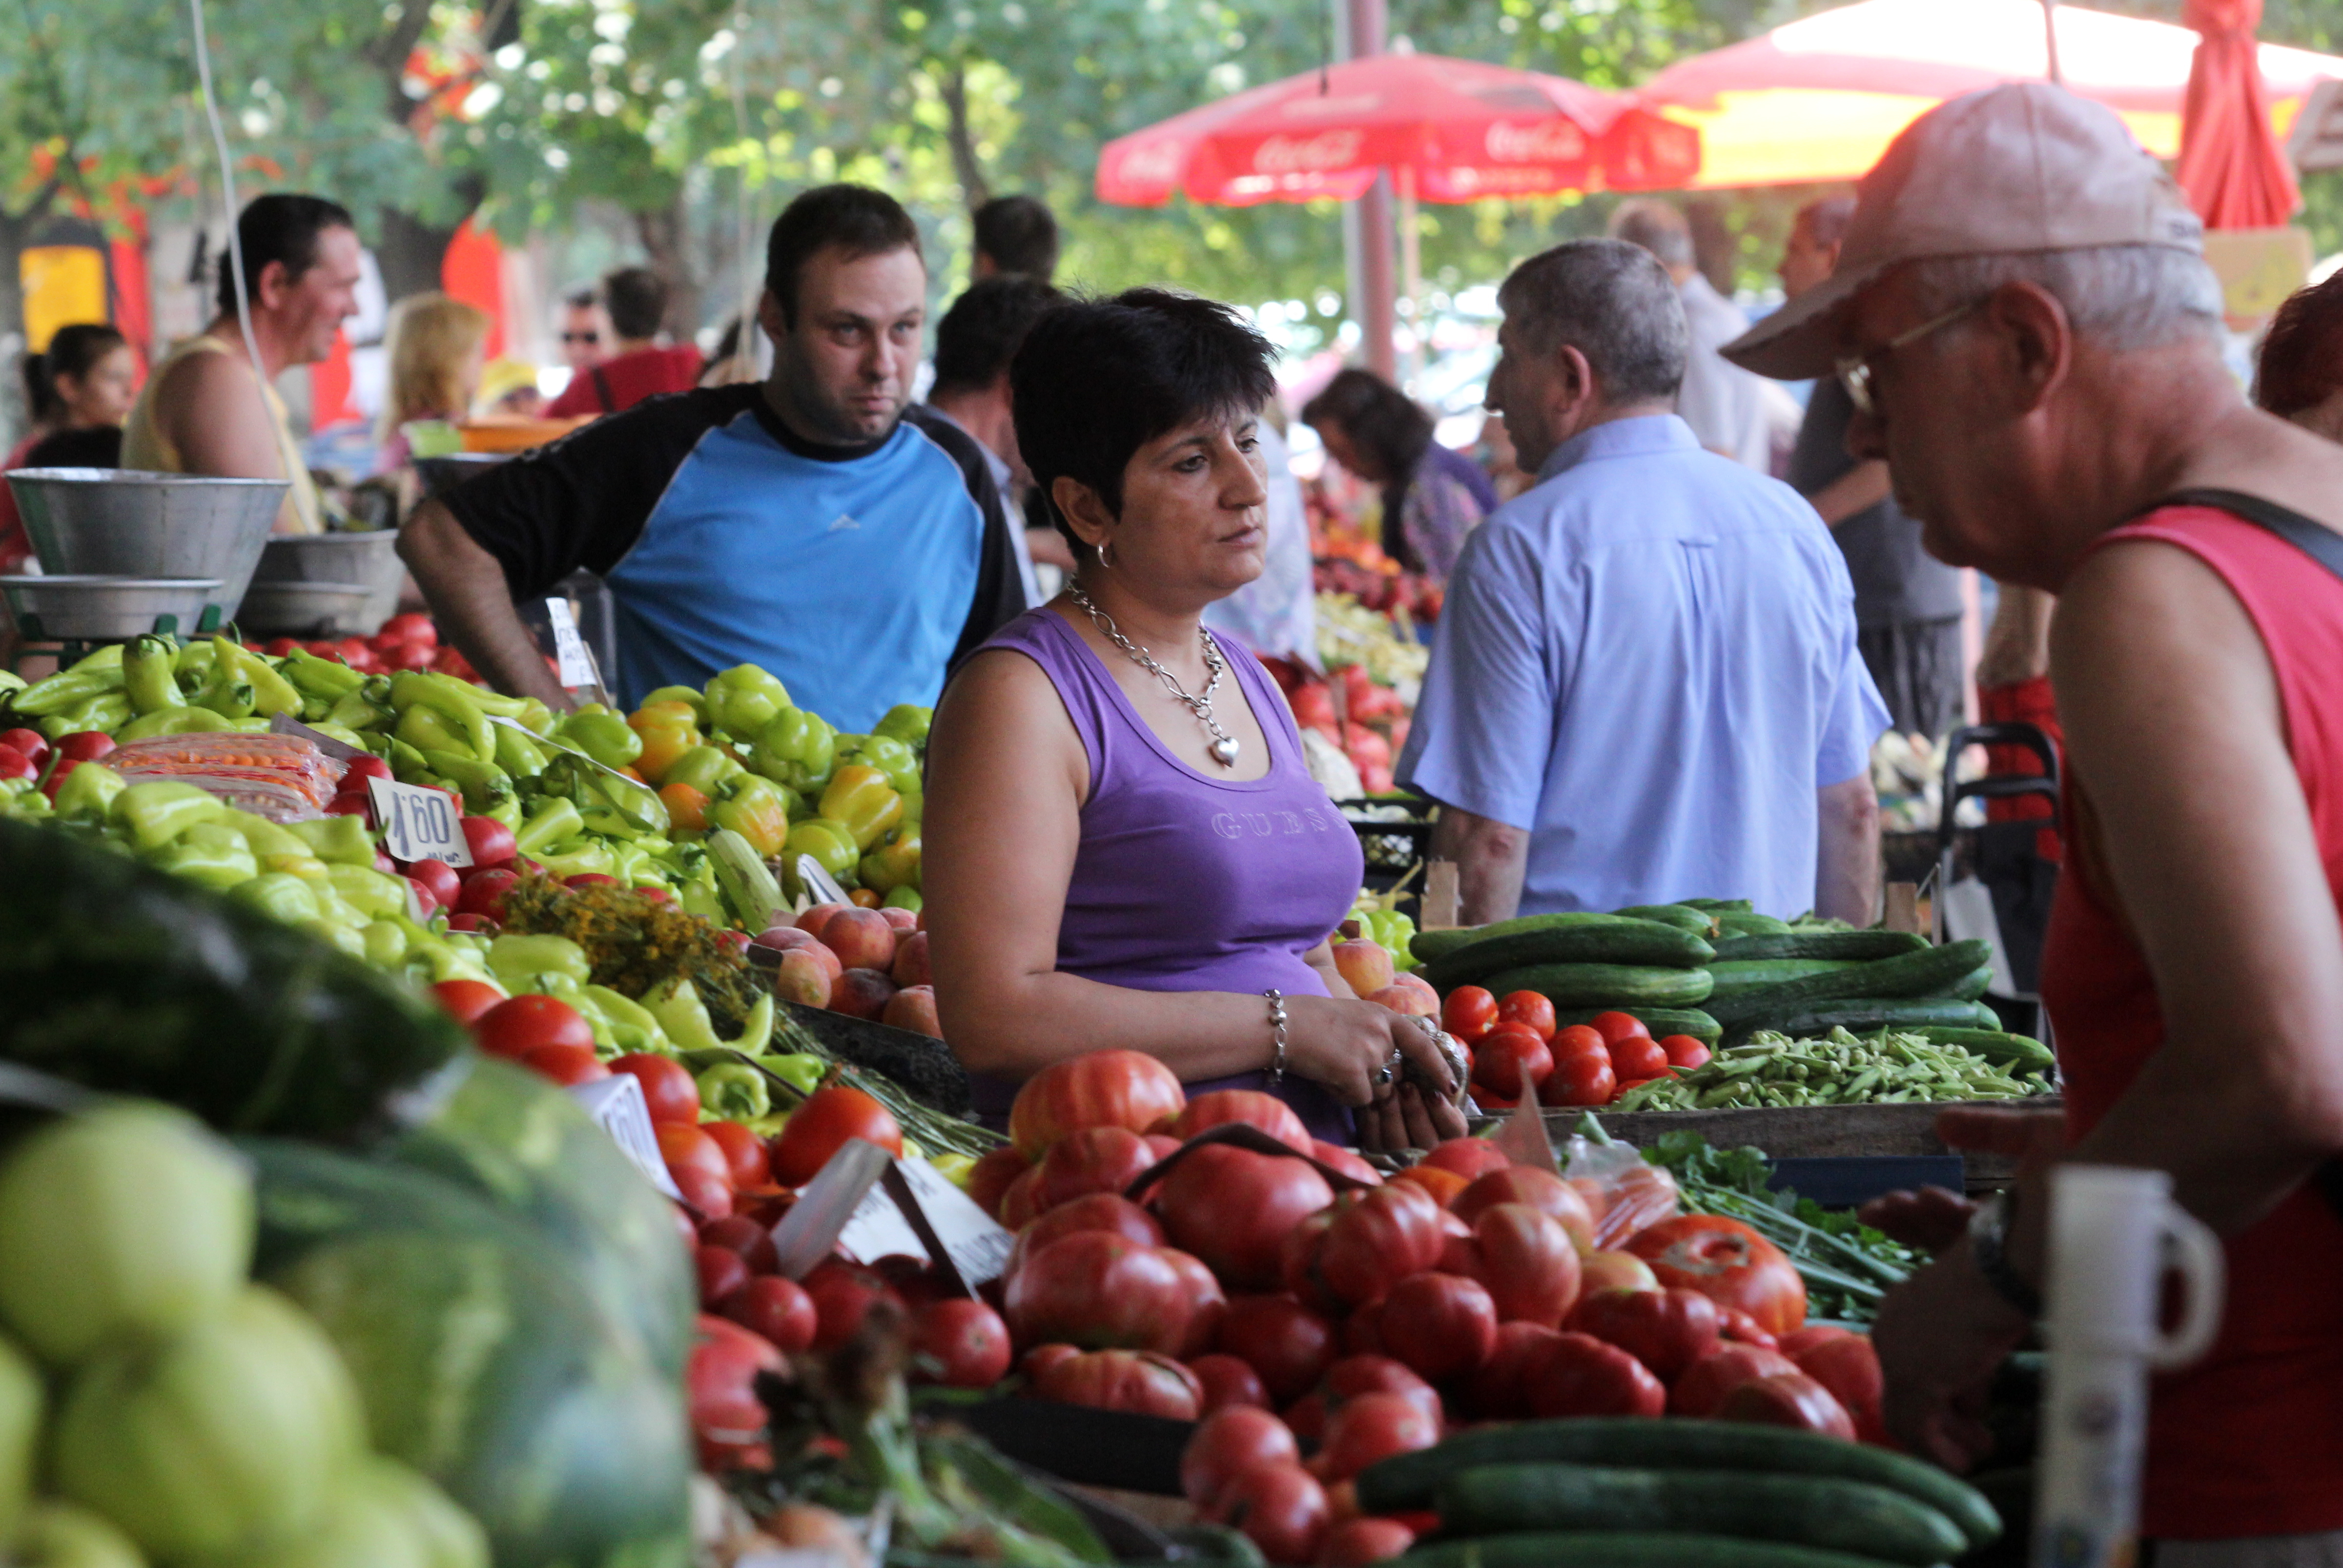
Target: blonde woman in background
[[436, 348]]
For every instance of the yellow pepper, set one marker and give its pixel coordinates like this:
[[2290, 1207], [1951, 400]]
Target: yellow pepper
[[860, 797], [668, 730]]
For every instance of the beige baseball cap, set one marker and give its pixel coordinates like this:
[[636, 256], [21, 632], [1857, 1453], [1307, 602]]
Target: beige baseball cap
[[2023, 168]]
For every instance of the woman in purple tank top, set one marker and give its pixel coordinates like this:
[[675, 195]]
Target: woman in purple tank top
[[1123, 847]]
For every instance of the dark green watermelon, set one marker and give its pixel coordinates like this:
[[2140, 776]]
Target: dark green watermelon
[[483, 1361]]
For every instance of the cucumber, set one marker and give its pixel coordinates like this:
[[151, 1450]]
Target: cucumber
[[1640, 942], [1929, 972], [1872, 944], [1683, 916], [1739, 977], [1717, 906], [1855, 1516], [1993, 1045], [1622, 1549], [1973, 985], [1861, 1015], [1622, 987], [1743, 923], [1663, 1022], [1425, 947], [1410, 1481]]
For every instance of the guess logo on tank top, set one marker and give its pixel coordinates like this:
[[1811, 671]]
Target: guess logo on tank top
[[1266, 824]]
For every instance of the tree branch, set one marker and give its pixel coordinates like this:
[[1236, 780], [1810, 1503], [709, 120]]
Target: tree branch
[[967, 167]]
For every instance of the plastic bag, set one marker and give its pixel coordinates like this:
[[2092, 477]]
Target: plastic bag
[[1625, 1192]]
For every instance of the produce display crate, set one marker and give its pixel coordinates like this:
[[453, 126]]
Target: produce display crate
[[1811, 1131], [923, 1065]]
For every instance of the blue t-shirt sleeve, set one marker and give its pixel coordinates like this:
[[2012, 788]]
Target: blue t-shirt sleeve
[[1484, 724], [1854, 717]]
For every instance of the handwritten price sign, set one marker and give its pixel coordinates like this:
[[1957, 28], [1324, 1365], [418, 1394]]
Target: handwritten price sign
[[418, 824]]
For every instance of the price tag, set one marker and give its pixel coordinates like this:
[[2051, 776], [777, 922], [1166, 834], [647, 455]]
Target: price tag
[[570, 650], [819, 885], [340, 751], [616, 1105], [976, 1245], [827, 1205], [418, 824]]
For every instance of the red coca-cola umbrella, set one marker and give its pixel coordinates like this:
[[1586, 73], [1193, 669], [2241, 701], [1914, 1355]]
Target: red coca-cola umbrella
[[1449, 130], [2231, 163]]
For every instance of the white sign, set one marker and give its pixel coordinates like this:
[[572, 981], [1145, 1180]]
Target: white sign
[[880, 1229], [418, 824], [977, 1244], [819, 885], [827, 1205], [570, 650], [617, 1104]]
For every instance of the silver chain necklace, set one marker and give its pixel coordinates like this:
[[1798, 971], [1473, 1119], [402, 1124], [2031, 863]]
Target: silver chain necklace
[[1224, 747]]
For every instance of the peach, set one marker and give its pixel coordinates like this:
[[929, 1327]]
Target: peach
[[861, 938], [861, 993], [913, 1008], [902, 920], [802, 978], [1407, 1000], [814, 919], [1365, 966], [1422, 987], [1601, 1271], [911, 962]]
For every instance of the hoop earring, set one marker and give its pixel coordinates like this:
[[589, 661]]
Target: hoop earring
[[1106, 556]]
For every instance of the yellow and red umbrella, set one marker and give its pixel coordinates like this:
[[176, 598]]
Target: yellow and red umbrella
[[1453, 130]]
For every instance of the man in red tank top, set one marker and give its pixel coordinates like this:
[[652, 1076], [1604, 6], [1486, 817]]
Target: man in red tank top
[[2024, 322]]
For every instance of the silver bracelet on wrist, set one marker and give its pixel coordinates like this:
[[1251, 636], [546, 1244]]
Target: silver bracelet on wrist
[[1276, 1000]]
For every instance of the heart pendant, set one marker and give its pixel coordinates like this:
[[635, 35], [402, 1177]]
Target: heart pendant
[[1224, 752]]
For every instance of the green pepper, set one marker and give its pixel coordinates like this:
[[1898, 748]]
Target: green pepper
[[829, 843], [406, 764], [758, 809], [734, 1092], [891, 757], [744, 698], [575, 857], [108, 711], [602, 735], [686, 695], [684, 1016], [341, 732], [108, 656], [617, 807], [701, 899], [193, 665], [88, 793], [915, 805], [359, 711], [907, 722], [66, 689], [226, 694], [495, 703], [893, 865], [148, 674], [271, 693], [377, 895], [796, 748], [554, 820], [507, 810], [337, 841], [428, 730], [632, 864], [861, 800], [534, 716], [159, 810], [704, 768], [906, 898], [276, 893], [800, 1070], [22, 803], [484, 784], [211, 853], [446, 708], [346, 939], [330, 679], [626, 1014], [10, 681], [516, 754], [181, 720], [275, 849], [514, 958], [386, 943]]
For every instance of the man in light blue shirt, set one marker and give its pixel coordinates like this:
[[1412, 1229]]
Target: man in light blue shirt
[[1646, 684]]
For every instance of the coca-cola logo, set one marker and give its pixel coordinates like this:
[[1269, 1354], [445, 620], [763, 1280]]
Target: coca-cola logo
[[1547, 141], [1320, 153], [1152, 163]]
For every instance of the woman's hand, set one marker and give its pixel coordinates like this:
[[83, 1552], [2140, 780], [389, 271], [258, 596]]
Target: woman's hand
[[1349, 1046]]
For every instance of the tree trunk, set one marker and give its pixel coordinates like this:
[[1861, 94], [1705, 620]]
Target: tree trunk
[[664, 231], [410, 252], [951, 86]]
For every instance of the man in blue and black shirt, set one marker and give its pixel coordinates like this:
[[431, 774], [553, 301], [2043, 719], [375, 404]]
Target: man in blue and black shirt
[[815, 526]]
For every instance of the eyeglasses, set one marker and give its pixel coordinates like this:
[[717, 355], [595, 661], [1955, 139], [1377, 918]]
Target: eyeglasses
[[582, 338], [1855, 370]]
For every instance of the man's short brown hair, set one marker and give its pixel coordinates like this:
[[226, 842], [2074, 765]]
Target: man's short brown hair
[[2302, 362]]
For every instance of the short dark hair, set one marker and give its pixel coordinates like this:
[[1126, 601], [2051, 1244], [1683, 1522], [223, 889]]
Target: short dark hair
[[72, 351], [1382, 421], [1020, 235], [636, 297], [857, 219], [580, 299], [1827, 219], [983, 331], [280, 228], [1611, 300], [2301, 361], [1097, 379], [98, 447]]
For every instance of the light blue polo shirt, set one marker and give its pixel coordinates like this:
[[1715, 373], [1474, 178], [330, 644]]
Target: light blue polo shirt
[[1648, 661]]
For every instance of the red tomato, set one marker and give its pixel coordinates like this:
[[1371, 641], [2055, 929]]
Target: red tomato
[[745, 1236], [1470, 1158], [822, 1127], [1501, 1389], [744, 1154], [1529, 1010], [1541, 1189], [1441, 1326], [1579, 1037], [31, 742], [726, 1414], [14, 764], [1511, 1061], [1582, 1071], [1375, 1240], [1367, 1372], [776, 1308], [519, 1025], [1093, 1160], [990, 1177], [1108, 1211], [1097, 1089], [425, 901], [1266, 1112], [1346, 1161], [466, 999], [490, 841], [844, 1295], [1667, 1329], [1615, 1027], [86, 745], [1279, 1508], [1580, 1375], [684, 1146], [483, 892], [668, 1086], [1229, 1383], [958, 1343], [1444, 1185], [1527, 1264], [1372, 1427], [565, 1064], [1737, 1327], [1017, 1201], [1356, 1542], [1231, 1208], [1685, 1051], [709, 1195], [1226, 1444], [1703, 1385], [721, 1271], [1206, 1305], [1636, 1058], [1138, 1381], [1795, 1343], [1729, 1263], [438, 879], [358, 769], [1099, 1291], [1307, 1417], [1787, 1399], [1849, 1367], [1287, 1343], [1468, 1013]]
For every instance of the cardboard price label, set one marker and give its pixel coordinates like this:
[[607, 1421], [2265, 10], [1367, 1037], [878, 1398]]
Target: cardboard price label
[[418, 824], [570, 650], [870, 1206], [616, 1105], [819, 885]]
